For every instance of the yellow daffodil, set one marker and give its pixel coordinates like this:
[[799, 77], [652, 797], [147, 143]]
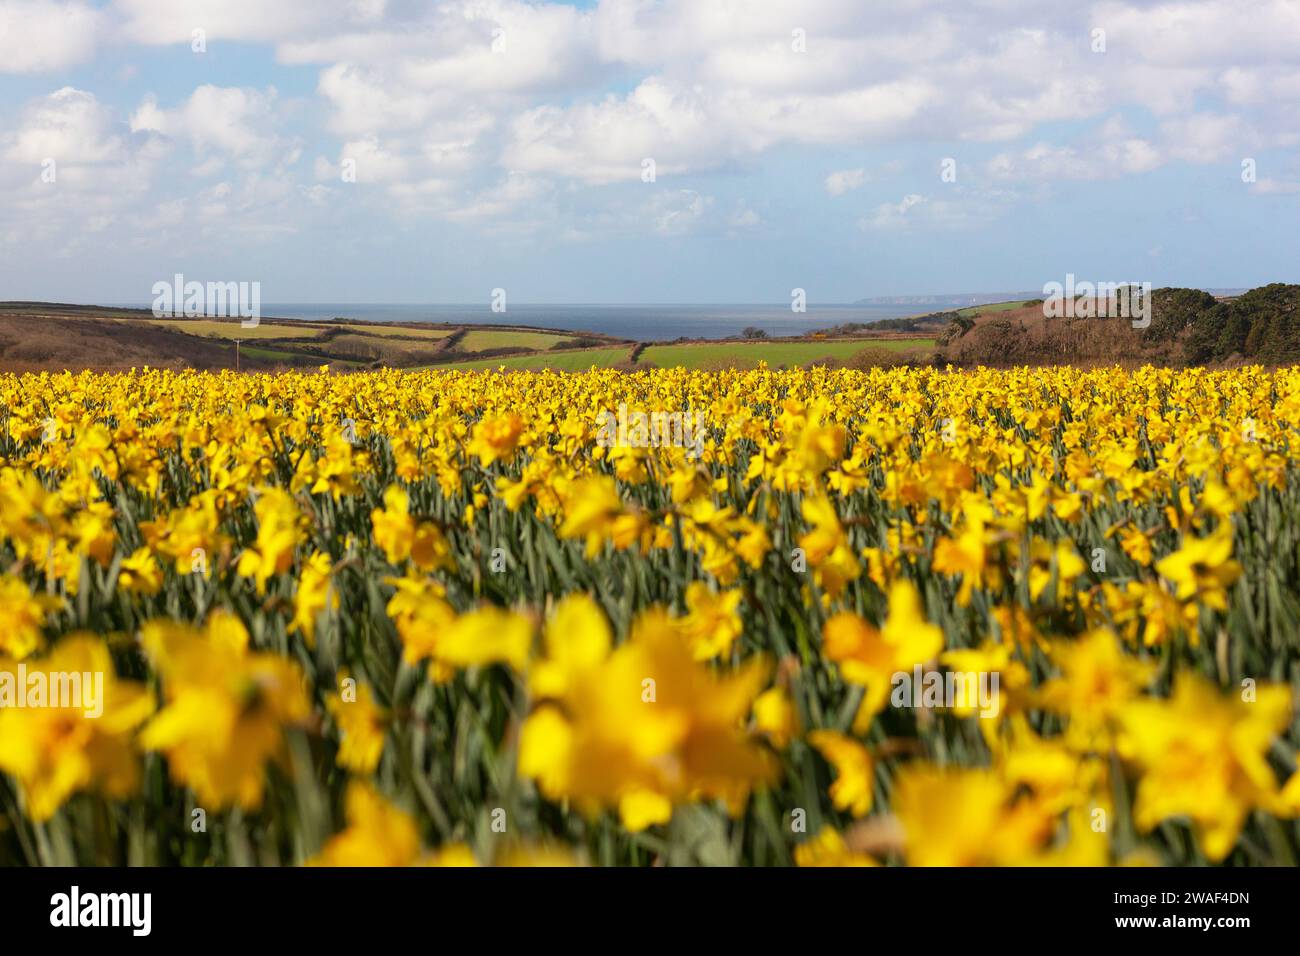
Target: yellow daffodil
[[277, 536], [870, 657], [1204, 757], [854, 770], [362, 725], [1203, 568], [642, 727], [56, 747], [495, 438], [965, 818], [22, 615], [225, 710], [827, 848]]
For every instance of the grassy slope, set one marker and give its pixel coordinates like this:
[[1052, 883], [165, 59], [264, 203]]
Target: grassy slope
[[748, 355], [272, 355], [696, 355], [215, 328], [382, 348], [55, 343], [975, 310], [134, 336], [481, 339], [578, 360], [388, 331]]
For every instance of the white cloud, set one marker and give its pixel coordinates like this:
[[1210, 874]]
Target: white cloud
[[961, 207], [230, 122], [744, 218], [462, 84], [1202, 33], [363, 101], [1277, 187], [488, 112], [893, 215], [607, 141], [159, 22], [69, 162], [845, 180], [70, 126], [38, 36], [678, 213], [502, 199], [372, 162], [1211, 137], [1107, 152]]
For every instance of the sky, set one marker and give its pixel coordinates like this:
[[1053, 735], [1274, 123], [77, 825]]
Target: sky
[[644, 151]]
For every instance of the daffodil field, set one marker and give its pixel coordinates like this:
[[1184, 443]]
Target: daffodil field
[[435, 618]]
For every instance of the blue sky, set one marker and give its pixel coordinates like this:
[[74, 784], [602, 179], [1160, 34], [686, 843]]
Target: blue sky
[[500, 144]]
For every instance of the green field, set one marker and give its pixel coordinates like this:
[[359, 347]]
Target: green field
[[748, 355], [292, 358], [270, 355], [975, 310], [217, 329], [482, 339], [388, 331], [363, 344], [578, 360], [381, 348]]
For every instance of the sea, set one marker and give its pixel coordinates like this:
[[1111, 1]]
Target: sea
[[644, 323]]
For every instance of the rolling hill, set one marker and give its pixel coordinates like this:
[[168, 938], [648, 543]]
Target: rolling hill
[[1188, 327]]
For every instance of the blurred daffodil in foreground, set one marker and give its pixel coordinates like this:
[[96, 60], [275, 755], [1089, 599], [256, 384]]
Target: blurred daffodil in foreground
[[639, 727], [226, 708], [64, 746]]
